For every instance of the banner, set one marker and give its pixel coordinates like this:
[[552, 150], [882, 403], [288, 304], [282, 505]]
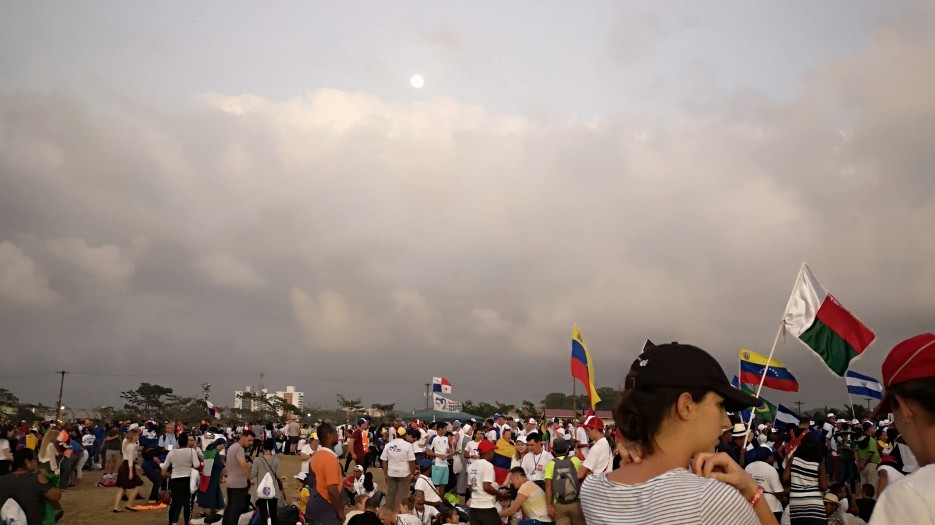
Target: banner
[[443, 404]]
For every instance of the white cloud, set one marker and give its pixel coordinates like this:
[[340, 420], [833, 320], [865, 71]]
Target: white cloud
[[326, 320], [488, 321], [22, 280], [108, 263], [226, 270]]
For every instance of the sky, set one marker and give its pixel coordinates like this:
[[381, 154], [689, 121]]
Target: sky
[[207, 193]]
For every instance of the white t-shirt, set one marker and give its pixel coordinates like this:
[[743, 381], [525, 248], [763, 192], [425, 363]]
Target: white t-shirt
[[426, 515], [492, 436], [5, 452], [307, 450], [674, 498], [480, 472], [534, 465], [470, 452], [440, 446], [534, 506], [87, 440], [891, 474], [408, 519], [599, 459], [424, 484], [768, 479], [419, 445], [909, 500], [581, 438], [397, 455]]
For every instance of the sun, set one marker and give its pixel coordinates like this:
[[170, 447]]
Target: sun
[[417, 81]]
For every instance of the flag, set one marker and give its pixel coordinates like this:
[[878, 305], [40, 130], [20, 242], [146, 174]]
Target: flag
[[766, 411], [440, 384], [752, 366], [210, 453], [443, 404], [865, 386], [582, 368], [822, 324], [215, 411], [786, 416]]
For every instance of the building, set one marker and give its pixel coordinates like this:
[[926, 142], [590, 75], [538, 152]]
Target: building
[[288, 396], [291, 397]]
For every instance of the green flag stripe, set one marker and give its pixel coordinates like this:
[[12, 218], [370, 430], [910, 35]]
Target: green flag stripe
[[832, 349]]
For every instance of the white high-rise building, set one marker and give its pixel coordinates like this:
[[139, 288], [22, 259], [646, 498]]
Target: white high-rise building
[[288, 396]]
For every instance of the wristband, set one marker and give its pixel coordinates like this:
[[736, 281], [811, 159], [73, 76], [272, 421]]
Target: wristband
[[756, 496]]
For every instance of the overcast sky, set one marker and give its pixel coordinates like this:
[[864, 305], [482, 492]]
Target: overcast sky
[[208, 192]]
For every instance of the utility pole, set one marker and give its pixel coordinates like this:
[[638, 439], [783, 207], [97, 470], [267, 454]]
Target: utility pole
[[61, 387], [427, 385], [798, 407]]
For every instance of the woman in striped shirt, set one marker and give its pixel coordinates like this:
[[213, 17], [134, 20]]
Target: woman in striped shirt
[[674, 409], [805, 474]]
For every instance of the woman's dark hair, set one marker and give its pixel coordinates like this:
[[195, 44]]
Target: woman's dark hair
[[5, 431], [368, 481], [810, 449], [269, 444], [445, 515], [269, 425], [640, 412], [21, 456], [183, 440], [920, 391]]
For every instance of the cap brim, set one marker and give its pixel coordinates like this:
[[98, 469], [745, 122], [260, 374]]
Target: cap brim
[[735, 400], [885, 407]]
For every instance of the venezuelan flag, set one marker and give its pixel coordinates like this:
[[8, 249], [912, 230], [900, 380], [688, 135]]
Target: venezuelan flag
[[582, 368], [752, 366]]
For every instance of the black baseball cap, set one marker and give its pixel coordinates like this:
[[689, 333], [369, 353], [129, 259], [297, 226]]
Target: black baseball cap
[[680, 365]]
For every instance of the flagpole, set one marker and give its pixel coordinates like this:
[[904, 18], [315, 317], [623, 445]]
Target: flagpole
[[853, 414], [769, 359]]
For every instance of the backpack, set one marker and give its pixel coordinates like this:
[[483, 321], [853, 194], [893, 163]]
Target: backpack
[[565, 480], [266, 489], [12, 513]]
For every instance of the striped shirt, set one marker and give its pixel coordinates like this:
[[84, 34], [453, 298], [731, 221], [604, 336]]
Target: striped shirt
[[677, 497], [804, 495]]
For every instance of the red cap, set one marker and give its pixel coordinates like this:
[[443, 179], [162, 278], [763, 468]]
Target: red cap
[[485, 446], [914, 358], [593, 422]]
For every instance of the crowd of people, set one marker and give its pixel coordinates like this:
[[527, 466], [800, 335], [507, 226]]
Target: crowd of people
[[676, 452]]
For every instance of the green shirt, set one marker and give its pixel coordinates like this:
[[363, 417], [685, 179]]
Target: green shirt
[[870, 453], [846, 448]]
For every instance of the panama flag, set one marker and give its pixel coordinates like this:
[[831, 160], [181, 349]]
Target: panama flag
[[822, 324], [215, 411], [754, 365], [440, 384], [865, 386], [582, 368]]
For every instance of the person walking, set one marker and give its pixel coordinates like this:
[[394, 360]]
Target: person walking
[[398, 461], [212, 499], [267, 486], [238, 470], [179, 464], [128, 474]]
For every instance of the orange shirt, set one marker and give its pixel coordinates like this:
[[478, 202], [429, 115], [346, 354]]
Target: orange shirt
[[324, 464]]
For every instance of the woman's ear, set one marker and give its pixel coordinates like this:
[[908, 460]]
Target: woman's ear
[[685, 406]]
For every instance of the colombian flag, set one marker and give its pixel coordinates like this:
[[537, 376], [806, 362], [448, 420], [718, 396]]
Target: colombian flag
[[752, 366], [582, 368]]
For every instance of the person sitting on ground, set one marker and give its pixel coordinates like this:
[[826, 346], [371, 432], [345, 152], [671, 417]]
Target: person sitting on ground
[[424, 483], [369, 515], [909, 380], [405, 515], [425, 513], [449, 515], [833, 509], [28, 487], [529, 497], [864, 505], [360, 503], [673, 410]]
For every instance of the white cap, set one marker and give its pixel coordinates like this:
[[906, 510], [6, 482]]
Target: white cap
[[762, 439], [811, 423], [855, 422], [831, 414], [133, 426], [521, 439], [761, 426], [532, 421]]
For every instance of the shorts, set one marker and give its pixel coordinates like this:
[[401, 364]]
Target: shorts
[[293, 440], [439, 475], [113, 454]]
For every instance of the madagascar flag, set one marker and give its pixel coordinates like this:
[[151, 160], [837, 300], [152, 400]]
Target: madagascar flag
[[754, 365], [582, 368], [823, 324]]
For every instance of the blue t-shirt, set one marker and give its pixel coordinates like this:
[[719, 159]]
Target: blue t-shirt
[[99, 433], [76, 447]]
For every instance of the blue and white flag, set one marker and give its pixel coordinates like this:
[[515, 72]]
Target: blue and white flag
[[864, 386], [786, 416]]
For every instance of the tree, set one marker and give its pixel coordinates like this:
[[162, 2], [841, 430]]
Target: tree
[[480, 408], [148, 401], [9, 403], [528, 410], [386, 409], [609, 398]]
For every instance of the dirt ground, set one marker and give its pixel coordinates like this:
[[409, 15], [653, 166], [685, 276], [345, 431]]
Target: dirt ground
[[88, 503]]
